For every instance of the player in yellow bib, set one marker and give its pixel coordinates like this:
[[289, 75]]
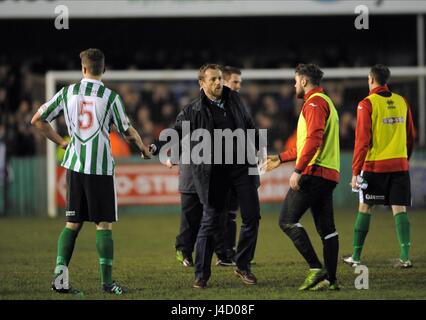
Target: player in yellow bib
[[315, 176], [383, 144]]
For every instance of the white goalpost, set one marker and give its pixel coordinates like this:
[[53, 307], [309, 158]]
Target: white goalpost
[[53, 77]]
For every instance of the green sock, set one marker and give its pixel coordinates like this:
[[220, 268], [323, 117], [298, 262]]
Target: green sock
[[105, 247], [403, 233], [66, 243], [362, 225]]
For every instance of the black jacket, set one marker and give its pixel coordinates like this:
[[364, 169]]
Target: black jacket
[[199, 116]]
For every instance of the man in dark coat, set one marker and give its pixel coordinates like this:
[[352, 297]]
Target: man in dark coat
[[218, 108]]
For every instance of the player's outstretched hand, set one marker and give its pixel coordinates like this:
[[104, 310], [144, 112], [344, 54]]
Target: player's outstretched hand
[[146, 154], [272, 162]]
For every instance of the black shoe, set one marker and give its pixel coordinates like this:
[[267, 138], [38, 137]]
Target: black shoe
[[113, 288], [225, 263], [246, 276], [200, 283]]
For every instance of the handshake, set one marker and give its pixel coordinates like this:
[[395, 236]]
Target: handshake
[[146, 153]]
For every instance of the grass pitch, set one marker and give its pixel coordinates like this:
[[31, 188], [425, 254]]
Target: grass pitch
[[145, 261]]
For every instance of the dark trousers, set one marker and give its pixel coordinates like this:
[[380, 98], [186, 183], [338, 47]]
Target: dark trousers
[[230, 225], [190, 220], [315, 193], [223, 177]]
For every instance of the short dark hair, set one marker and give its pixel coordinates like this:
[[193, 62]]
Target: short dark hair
[[380, 73], [93, 60], [228, 71], [207, 66], [310, 70]]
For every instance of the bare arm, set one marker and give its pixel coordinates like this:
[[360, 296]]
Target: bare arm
[[133, 138], [46, 130]]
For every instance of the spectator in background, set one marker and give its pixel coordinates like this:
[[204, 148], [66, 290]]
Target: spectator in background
[[270, 106], [3, 98], [264, 120], [168, 115], [131, 98], [252, 97], [160, 95], [25, 140], [347, 131], [145, 125], [285, 99], [3, 171]]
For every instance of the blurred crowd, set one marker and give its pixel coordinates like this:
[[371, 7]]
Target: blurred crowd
[[17, 104], [153, 106], [176, 44]]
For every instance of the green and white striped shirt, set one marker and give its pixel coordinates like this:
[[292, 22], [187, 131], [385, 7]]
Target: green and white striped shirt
[[89, 110]]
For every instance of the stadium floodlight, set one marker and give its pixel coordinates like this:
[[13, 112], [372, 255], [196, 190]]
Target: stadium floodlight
[[55, 77]]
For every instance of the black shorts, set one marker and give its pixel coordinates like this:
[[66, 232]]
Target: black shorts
[[391, 188], [90, 197]]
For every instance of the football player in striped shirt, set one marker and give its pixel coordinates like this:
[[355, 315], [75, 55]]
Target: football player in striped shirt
[[90, 109]]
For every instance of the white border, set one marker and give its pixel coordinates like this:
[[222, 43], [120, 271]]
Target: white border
[[203, 8]]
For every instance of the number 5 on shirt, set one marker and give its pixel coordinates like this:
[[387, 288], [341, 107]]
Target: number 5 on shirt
[[85, 118]]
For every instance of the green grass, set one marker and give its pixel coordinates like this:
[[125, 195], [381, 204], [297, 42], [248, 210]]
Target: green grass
[[145, 261]]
